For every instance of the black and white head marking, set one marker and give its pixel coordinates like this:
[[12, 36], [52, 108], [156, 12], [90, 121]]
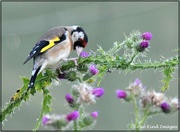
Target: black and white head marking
[[79, 37]]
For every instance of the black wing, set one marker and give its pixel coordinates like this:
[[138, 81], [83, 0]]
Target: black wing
[[43, 46], [36, 50]]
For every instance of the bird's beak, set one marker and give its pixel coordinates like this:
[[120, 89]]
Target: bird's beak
[[79, 50], [83, 42]]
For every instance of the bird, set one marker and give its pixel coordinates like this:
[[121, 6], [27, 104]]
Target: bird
[[54, 47]]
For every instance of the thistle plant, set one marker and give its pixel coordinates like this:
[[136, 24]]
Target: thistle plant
[[86, 89], [146, 102]]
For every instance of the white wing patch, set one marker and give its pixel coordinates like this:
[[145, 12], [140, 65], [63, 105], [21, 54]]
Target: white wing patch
[[34, 52], [33, 72]]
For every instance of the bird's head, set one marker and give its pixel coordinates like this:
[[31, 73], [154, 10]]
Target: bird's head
[[79, 38]]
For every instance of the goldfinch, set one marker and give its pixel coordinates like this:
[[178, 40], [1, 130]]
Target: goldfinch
[[54, 47]]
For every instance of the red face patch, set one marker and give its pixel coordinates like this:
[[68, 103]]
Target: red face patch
[[83, 42]]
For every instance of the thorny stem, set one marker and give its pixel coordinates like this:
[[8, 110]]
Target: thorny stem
[[116, 48], [76, 126], [118, 63], [144, 117], [9, 109], [170, 63], [76, 122], [42, 112], [136, 114], [81, 110], [15, 103], [138, 120], [135, 54]]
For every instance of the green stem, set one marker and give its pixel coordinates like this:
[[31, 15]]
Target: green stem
[[81, 111], [120, 63], [9, 109], [22, 95], [141, 123], [38, 123], [135, 54], [170, 63], [116, 48], [76, 126], [103, 74], [136, 114]]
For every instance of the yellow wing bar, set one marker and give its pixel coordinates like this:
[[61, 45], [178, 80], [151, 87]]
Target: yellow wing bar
[[51, 44]]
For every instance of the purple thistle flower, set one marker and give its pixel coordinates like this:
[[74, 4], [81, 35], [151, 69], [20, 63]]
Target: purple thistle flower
[[98, 92], [137, 81], [94, 114], [72, 116], [121, 94], [93, 69], [69, 98], [165, 107], [84, 54], [45, 119], [147, 35], [144, 44]]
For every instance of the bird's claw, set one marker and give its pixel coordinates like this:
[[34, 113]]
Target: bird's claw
[[75, 62], [59, 70], [72, 59]]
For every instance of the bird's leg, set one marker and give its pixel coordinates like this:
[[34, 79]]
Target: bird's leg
[[58, 69], [73, 59]]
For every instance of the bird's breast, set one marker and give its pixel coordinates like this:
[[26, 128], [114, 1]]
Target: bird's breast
[[58, 52]]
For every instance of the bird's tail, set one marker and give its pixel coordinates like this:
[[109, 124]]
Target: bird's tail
[[33, 78]]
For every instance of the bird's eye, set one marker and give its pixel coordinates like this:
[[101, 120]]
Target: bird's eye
[[80, 35]]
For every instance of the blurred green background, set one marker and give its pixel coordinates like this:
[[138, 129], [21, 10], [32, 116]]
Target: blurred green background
[[24, 22]]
